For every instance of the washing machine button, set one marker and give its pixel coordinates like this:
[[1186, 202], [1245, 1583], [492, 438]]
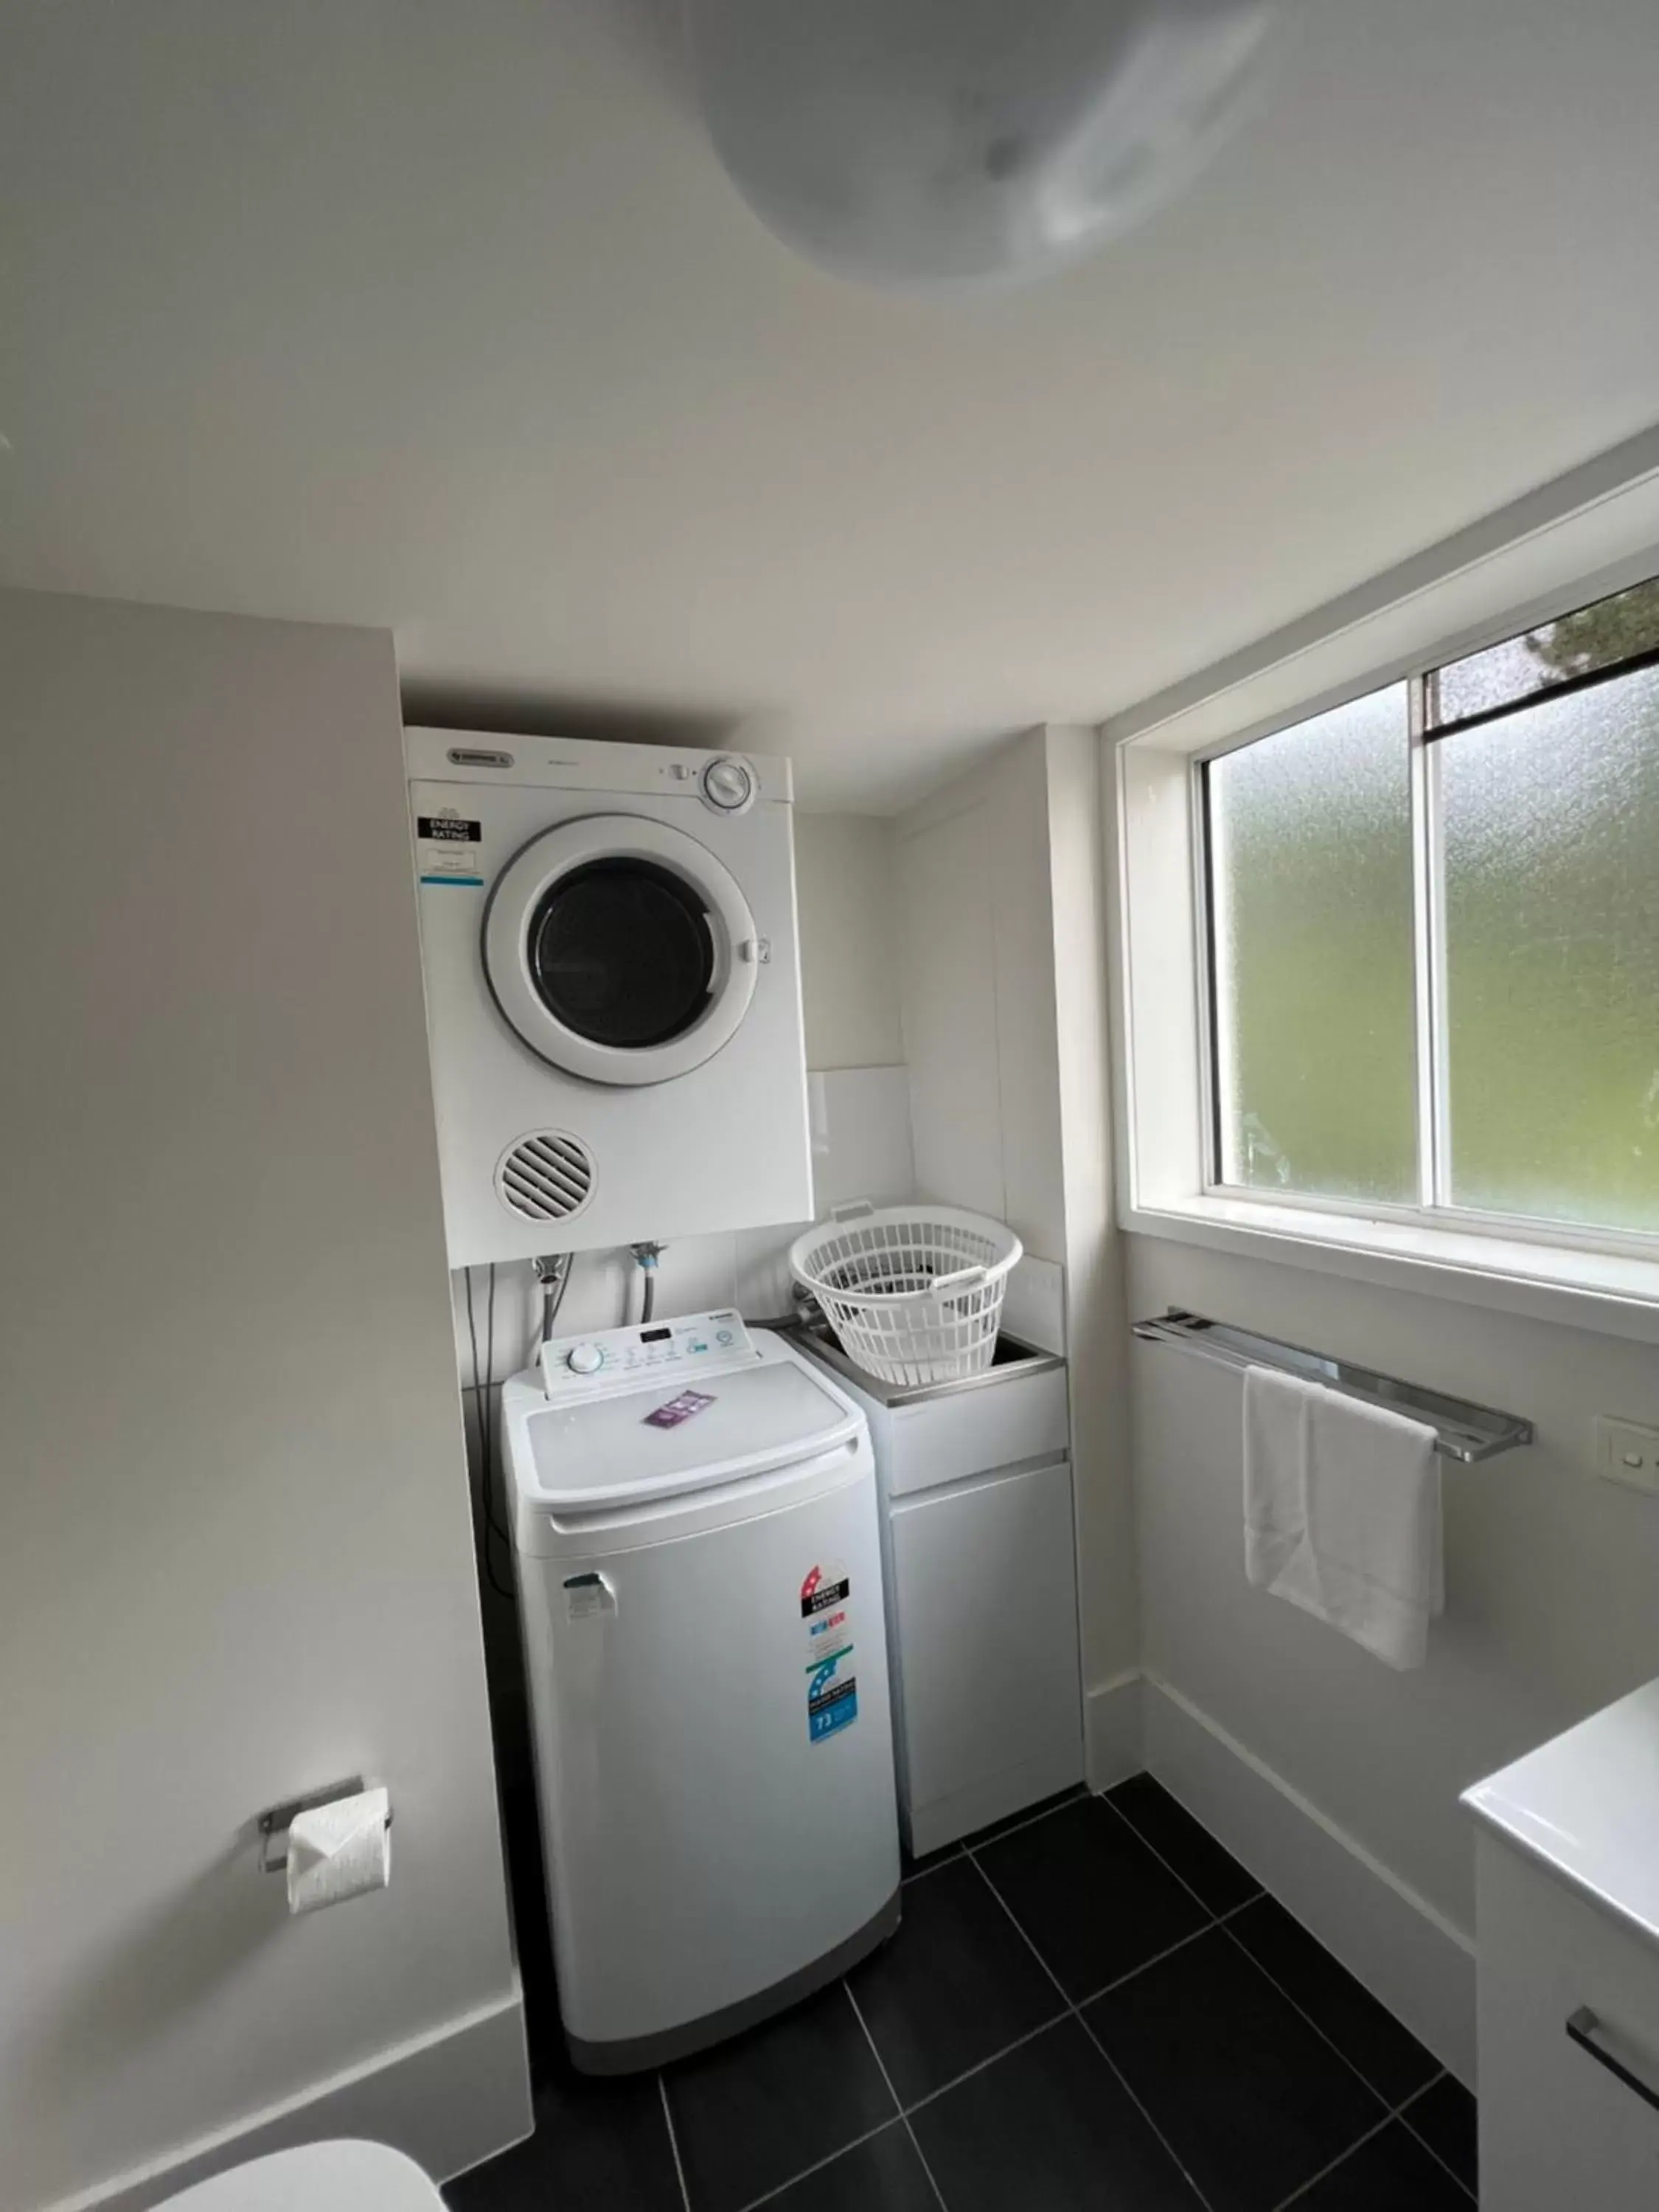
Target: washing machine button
[[584, 1360]]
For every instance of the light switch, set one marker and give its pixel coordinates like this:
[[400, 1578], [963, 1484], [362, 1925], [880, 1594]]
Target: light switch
[[1626, 1452]]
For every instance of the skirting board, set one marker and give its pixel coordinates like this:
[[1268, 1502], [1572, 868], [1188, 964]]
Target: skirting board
[[1113, 1745], [449, 2099], [1409, 1955]]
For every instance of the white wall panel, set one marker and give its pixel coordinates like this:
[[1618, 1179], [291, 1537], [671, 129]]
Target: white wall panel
[[235, 1552], [1550, 1572]]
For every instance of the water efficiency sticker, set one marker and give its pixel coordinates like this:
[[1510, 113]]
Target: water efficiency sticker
[[827, 1633], [832, 1690], [447, 848]]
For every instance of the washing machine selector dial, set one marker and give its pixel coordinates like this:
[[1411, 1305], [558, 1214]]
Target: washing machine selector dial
[[584, 1360], [728, 784]]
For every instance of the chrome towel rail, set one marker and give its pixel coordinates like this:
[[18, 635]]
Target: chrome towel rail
[[1463, 1430]]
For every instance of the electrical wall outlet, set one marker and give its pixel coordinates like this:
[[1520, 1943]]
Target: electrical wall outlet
[[1626, 1452]]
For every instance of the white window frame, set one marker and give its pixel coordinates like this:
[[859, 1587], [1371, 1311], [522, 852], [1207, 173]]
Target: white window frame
[[1578, 540]]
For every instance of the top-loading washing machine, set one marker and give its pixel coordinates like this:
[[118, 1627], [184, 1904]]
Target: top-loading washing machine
[[613, 990], [698, 1567]]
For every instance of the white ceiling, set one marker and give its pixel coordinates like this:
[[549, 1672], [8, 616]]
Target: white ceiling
[[445, 317]]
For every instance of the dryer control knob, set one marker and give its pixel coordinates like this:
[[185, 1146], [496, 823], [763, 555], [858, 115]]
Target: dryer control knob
[[584, 1360], [728, 784]]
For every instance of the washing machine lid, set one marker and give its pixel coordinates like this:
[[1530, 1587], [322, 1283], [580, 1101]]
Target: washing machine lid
[[610, 1452]]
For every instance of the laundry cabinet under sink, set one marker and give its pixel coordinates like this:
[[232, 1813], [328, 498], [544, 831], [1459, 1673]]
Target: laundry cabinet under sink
[[980, 1558]]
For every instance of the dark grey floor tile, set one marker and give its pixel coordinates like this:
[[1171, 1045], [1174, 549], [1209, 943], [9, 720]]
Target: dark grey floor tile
[[909, 1866], [753, 2113], [1090, 1894], [596, 2142], [956, 1984], [883, 2175], [1366, 2032], [1444, 2116], [1392, 2172], [1183, 1844], [1254, 2101], [1027, 1812], [1047, 2129]]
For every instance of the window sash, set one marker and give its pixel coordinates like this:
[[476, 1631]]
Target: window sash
[[1639, 602], [1563, 688], [1431, 1072]]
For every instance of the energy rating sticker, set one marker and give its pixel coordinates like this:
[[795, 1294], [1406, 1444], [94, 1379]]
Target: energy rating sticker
[[447, 848], [822, 1588]]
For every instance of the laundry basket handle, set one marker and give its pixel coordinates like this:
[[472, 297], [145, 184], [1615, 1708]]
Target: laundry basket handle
[[964, 1279], [851, 1209]]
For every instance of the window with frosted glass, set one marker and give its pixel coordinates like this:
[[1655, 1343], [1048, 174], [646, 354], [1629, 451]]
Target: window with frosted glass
[[1471, 856], [1310, 841], [1551, 833]]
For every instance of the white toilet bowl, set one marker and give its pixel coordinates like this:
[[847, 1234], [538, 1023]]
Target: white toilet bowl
[[326, 2177]]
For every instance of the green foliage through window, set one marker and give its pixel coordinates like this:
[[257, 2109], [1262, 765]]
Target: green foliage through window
[[1602, 635]]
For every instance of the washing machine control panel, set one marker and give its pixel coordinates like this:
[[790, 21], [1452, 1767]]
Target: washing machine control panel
[[577, 1366]]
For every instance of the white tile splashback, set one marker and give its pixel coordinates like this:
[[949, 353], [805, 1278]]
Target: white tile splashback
[[861, 1125], [860, 1120], [1034, 1304], [695, 1274], [749, 1270], [861, 1149]]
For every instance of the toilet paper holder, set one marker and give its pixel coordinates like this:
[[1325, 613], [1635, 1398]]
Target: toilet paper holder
[[279, 1819]]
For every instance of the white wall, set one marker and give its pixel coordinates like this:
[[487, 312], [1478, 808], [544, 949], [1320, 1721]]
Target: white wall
[[976, 924], [234, 1558], [1096, 1309], [849, 967], [1001, 921], [1551, 1574]]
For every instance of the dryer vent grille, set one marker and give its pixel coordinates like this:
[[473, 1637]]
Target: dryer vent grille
[[545, 1177]]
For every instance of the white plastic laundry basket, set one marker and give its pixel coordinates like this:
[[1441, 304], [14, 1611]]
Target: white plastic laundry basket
[[914, 1292]]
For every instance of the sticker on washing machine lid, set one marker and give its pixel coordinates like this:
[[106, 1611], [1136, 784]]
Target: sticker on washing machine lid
[[679, 1409], [822, 1588], [832, 1698], [447, 848]]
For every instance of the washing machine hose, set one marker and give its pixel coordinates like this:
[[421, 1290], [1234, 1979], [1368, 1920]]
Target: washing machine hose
[[645, 1255]]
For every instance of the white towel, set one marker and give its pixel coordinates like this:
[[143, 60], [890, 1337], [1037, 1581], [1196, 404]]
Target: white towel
[[1342, 1512]]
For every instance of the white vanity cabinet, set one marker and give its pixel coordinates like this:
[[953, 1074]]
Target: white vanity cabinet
[[1567, 1905]]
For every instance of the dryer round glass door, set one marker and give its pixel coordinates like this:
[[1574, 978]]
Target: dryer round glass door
[[621, 953], [620, 949]]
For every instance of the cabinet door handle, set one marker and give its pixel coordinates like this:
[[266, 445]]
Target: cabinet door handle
[[1582, 2026]]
